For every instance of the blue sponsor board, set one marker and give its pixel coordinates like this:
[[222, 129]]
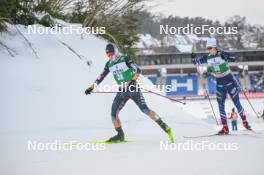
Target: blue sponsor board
[[153, 79], [182, 85], [188, 85], [256, 82]]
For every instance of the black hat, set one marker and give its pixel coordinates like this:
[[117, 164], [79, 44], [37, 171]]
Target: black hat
[[110, 48]]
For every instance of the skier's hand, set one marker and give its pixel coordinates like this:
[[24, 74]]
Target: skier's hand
[[223, 56], [226, 56], [135, 77], [193, 55], [194, 61], [90, 89]]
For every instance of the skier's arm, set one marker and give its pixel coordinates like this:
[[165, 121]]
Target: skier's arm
[[131, 64], [98, 80], [227, 56], [101, 77], [200, 60]]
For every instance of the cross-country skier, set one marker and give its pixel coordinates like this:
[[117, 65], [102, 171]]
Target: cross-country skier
[[226, 83], [125, 73]]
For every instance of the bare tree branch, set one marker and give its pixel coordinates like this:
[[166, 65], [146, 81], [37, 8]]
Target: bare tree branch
[[28, 42], [11, 52], [81, 57]]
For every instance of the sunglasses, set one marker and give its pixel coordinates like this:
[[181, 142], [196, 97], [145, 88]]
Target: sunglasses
[[209, 48], [110, 54]]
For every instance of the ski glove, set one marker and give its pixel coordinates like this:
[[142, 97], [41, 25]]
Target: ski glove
[[135, 77], [193, 55], [90, 89], [194, 61], [224, 56]]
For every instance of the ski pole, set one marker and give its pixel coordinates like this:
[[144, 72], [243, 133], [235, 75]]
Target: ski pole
[[110, 92], [244, 92], [148, 91], [158, 94], [207, 95], [250, 103], [164, 96], [105, 92], [209, 99]]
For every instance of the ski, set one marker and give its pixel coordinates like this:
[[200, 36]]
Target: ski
[[201, 136], [211, 135], [109, 142], [251, 130], [171, 136]]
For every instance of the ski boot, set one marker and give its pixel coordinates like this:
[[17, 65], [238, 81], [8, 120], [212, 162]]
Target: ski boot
[[224, 130], [166, 128], [120, 137], [246, 125]]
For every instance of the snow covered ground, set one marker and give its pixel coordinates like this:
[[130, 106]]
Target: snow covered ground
[[42, 99]]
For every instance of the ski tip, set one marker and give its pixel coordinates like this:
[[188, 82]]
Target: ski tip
[[174, 100], [171, 137], [252, 130]]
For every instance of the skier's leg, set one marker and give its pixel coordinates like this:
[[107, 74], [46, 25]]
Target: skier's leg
[[221, 97], [138, 98], [119, 99], [118, 103], [233, 91]]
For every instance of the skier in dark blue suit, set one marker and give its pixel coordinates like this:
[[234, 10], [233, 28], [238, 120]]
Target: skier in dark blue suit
[[225, 81]]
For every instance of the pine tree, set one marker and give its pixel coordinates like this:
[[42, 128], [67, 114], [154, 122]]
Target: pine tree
[[79, 13]]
